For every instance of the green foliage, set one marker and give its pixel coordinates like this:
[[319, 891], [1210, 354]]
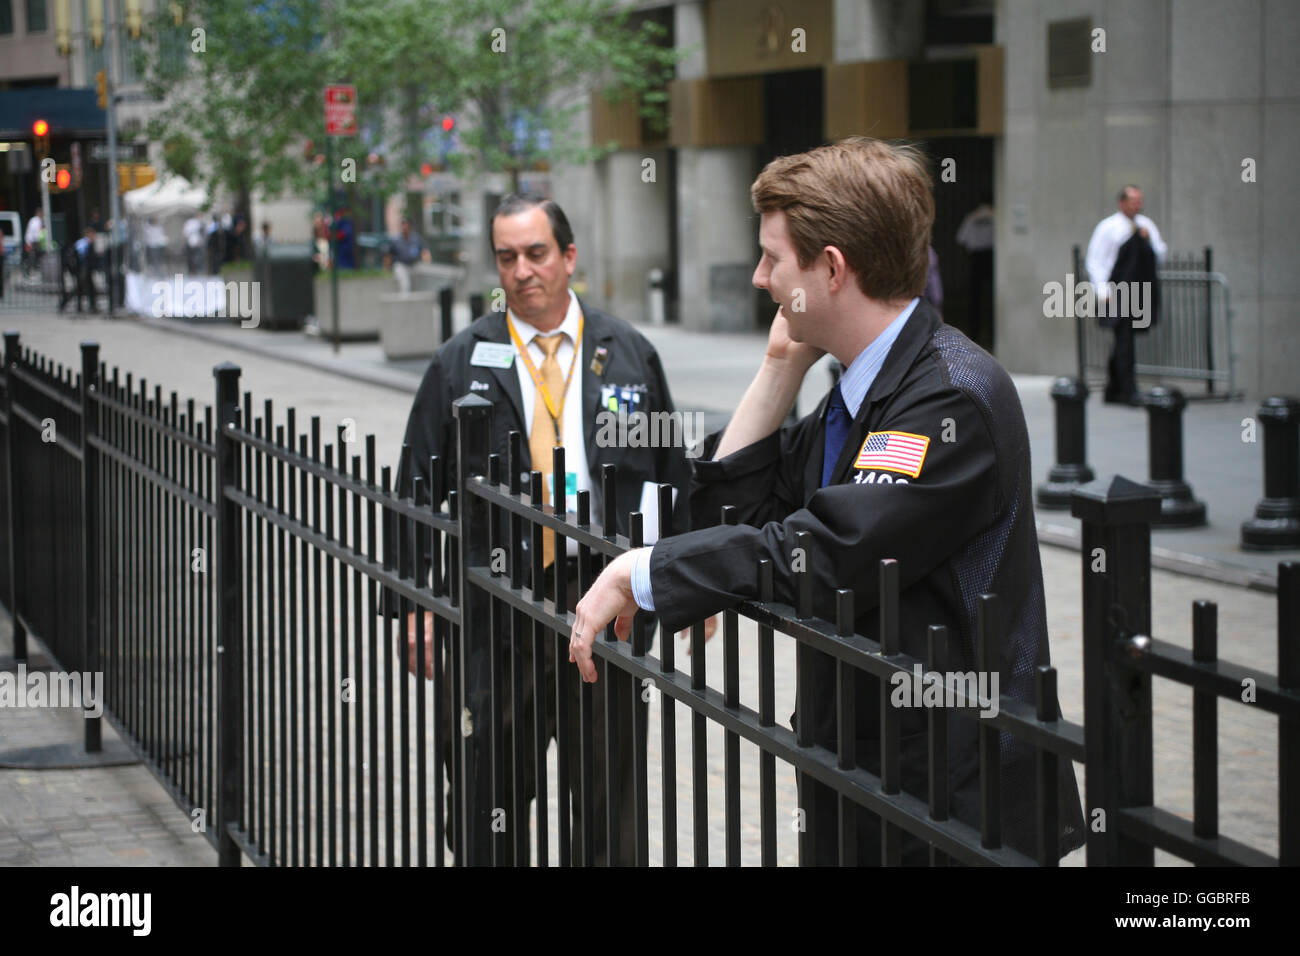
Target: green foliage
[[250, 105]]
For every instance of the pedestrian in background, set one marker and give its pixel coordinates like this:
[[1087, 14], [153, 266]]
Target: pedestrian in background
[[155, 244], [216, 242], [934, 283], [404, 251], [33, 241], [193, 233], [344, 240], [262, 243], [320, 233], [78, 263], [975, 235], [1126, 246]]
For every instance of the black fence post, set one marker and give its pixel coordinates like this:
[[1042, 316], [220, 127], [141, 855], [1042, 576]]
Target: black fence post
[[1179, 508], [1288, 729], [1277, 516], [475, 305], [1069, 400], [473, 443], [13, 358], [90, 529], [230, 690], [1116, 518]]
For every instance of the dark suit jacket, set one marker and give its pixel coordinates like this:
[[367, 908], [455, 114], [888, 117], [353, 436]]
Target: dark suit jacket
[[629, 361], [1135, 262], [961, 526]]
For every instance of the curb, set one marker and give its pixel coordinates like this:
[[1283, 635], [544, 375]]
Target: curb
[[1166, 559], [397, 381]]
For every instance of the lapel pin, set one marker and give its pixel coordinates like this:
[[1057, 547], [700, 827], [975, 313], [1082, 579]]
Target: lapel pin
[[599, 359]]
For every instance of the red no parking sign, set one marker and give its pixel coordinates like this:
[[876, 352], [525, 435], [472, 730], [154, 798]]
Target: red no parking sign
[[340, 110]]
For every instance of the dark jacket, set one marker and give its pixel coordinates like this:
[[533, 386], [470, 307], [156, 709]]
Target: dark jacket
[[1134, 262], [962, 526], [629, 360]]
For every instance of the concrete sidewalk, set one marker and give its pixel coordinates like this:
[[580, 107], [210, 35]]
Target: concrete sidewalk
[[114, 813]]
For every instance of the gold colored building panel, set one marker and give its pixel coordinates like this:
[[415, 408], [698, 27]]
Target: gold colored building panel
[[768, 36], [619, 123], [990, 68], [866, 99], [717, 112]]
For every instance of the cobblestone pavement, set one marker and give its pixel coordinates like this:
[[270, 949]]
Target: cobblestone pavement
[[121, 815]]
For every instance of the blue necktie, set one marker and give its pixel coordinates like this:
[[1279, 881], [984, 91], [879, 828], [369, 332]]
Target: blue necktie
[[837, 430]]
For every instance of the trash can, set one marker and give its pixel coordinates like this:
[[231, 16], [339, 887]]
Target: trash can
[[283, 272]]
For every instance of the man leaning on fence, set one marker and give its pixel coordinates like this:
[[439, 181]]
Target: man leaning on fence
[[550, 364], [919, 453]]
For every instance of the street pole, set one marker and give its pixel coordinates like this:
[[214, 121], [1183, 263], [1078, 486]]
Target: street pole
[[110, 86], [47, 239], [334, 265]]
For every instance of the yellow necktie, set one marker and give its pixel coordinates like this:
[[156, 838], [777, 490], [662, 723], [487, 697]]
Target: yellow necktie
[[543, 438]]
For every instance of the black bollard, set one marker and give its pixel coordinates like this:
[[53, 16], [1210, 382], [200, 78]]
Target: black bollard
[[1070, 399], [476, 305], [444, 313], [1276, 524], [1178, 507]]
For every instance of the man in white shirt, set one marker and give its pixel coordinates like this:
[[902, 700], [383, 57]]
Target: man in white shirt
[[1103, 249], [155, 241], [32, 240], [193, 232], [975, 235]]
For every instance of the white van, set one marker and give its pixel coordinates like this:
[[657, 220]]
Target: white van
[[10, 226]]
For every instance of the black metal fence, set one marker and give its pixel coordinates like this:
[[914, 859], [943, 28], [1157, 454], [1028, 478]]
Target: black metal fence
[[228, 575], [42, 283], [1191, 339]]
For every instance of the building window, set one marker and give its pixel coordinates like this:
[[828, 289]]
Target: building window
[[94, 58], [36, 22], [173, 46], [6, 17], [130, 51], [1069, 53]]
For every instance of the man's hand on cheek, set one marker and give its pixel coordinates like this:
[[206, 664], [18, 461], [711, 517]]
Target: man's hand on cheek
[[609, 599]]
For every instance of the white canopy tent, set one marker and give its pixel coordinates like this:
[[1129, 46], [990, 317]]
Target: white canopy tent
[[164, 197], [167, 203]]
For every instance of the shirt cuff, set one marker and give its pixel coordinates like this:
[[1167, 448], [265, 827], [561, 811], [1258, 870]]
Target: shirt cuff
[[641, 591]]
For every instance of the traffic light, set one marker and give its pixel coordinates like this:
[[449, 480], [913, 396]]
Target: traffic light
[[41, 135], [101, 89], [64, 182]]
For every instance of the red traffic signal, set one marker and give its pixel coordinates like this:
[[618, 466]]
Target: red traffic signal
[[40, 128], [63, 179]]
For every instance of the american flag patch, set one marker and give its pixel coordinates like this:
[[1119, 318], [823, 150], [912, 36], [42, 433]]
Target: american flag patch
[[902, 452]]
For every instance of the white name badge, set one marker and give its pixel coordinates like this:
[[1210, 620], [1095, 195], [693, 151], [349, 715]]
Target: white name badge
[[492, 355]]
